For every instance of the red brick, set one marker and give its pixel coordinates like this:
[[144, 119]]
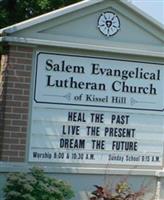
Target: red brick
[[20, 110], [27, 80], [18, 135], [5, 146], [16, 80], [15, 91], [22, 154], [10, 153], [12, 103], [29, 55], [19, 123], [8, 84], [25, 104], [24, 129], [21, 98], [12, 60], [12, 48], [22, 85], [17, 147], [24, 117], [23, 73], [23, 141], [13, 129], [18, 67], [24, 61], [28, 68], [7, 121], [13, 115], [4, 158], [7, 134], [10, 140], [24, 49], [16, 159], [26, 92], [16, 54]]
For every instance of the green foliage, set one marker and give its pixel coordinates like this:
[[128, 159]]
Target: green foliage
[[36, 186], [14, 11]]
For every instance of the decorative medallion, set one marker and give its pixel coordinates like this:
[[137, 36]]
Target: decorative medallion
[[108, 23]]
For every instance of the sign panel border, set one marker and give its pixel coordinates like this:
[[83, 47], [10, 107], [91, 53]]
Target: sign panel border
[[90, 105]]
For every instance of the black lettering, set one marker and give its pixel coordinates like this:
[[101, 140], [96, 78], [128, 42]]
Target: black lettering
[[76, 117], [93, 131], [120, 119], [49, 83], [70, 130], [49, 65], [124, 146], [97, 118], [72, 143], [98, 144]]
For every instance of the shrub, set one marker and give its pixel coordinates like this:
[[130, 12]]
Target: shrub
[[36, 186], [121, 191]]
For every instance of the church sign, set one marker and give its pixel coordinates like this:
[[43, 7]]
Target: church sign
[[97, 111]]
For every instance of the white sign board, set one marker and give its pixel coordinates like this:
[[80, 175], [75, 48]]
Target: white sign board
[[81, 131], [96, 137], [98, 82]]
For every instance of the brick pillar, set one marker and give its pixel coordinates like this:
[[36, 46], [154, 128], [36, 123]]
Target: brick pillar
[[15, 79]]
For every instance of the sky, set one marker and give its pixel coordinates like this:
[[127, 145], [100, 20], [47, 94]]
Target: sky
[[154, 8]]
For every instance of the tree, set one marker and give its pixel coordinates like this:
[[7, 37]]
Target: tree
[[14, 11]]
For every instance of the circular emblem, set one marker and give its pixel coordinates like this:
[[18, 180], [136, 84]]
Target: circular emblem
[[108, 23]]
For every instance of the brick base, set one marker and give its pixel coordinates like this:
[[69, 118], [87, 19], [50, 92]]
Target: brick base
[[15, 80]]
